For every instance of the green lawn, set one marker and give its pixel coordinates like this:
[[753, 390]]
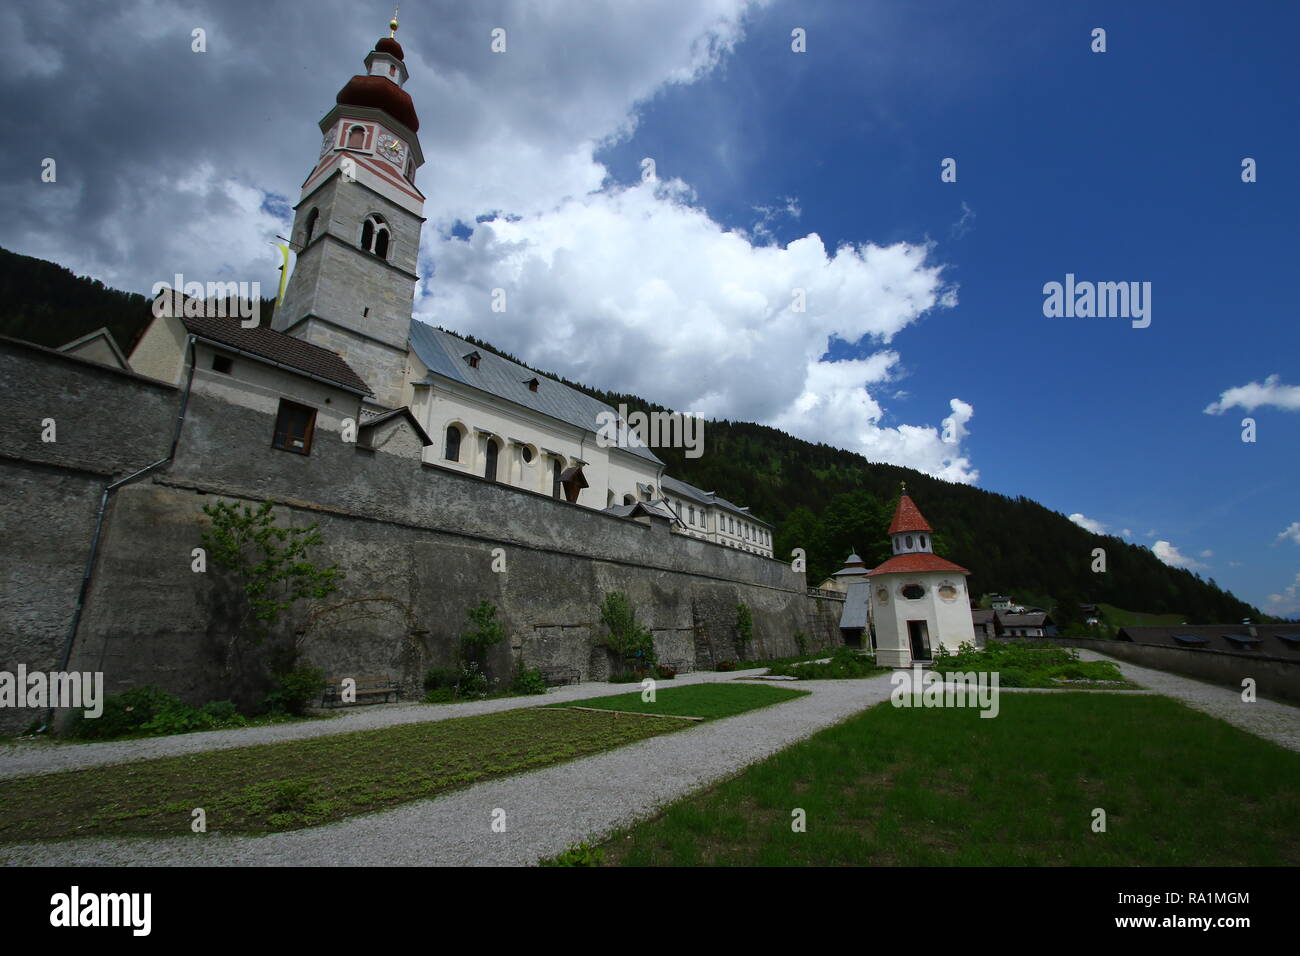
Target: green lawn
[[710, 701], [900, 787], [296, 784]]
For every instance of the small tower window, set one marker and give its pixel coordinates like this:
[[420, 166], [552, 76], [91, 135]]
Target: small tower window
[[452, 452], [310, 229], [356, 137], [374, 236], [907, 542]]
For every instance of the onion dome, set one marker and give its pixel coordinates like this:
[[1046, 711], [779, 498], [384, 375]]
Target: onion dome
[[382, 94]]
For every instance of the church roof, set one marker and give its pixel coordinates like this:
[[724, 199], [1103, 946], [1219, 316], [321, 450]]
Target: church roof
[[916, 563], [908, 517], [444, 354], [277, 347], [687, 490]]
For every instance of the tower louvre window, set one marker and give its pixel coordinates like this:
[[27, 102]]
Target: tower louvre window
[[374, 236], [356, 137], [310, 228]]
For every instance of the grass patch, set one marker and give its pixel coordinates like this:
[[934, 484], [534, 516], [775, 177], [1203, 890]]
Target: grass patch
[[774, 661], [287, 786], [845, 663], [710, 701], [942, 786], [1035, 665]]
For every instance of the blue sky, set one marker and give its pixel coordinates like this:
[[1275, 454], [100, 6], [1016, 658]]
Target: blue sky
[[775, 171], [1123, 165]]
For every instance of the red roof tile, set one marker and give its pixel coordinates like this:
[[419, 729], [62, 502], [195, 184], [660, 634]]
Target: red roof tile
[[908, 517], [914, 563]]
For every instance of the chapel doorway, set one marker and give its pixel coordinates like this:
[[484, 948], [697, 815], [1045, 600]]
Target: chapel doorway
[[918, 634]]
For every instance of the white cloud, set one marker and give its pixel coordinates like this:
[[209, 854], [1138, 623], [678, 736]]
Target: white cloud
[[1288, 602], [1171, 556], [1127, 532], [1292, 533], [636, 289], [1207, 553], [1255, 395], [1088, 524]]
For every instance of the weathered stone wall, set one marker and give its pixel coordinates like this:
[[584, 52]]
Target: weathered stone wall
[[416, 541]]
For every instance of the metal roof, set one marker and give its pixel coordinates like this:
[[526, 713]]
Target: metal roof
[[443, 354], [855, 605], [687, 490]]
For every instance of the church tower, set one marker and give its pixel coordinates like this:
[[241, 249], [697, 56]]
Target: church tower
[[356, 229]]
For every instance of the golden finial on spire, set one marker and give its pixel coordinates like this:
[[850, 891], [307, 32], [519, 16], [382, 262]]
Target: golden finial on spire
[[392, 24]]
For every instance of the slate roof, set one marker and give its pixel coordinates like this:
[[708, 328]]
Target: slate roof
[[908, 517], [854, 613], [443, 354], [915, 563], [687, 490], [278, 347], [640, 507], [1025, 620], [1270, 640]]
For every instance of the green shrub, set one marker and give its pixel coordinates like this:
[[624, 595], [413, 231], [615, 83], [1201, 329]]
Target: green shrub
[[580, 854], [294, 691], [487, 630], [665, 672], [744, 628], [626, 638], [801, 641], [440, 695], [222, 711], [628, 677], [1014, 677], [123, 714], [528, 680]]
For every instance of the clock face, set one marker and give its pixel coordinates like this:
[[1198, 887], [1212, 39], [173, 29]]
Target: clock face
[[328, 142], [391, 148]]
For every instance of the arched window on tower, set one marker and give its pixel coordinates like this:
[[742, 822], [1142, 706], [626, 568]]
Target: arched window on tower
[[374, 236], [490, 468], [452, 452], [356, 137], [310, 229]]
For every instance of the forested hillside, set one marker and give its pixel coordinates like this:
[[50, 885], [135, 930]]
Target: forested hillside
[[825, 500]]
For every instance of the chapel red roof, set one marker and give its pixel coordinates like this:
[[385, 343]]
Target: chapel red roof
[[908, 517], [389, 45], [917, 562]]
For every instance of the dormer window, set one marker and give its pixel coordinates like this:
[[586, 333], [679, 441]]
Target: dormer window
[[472, 359], [532, 384]]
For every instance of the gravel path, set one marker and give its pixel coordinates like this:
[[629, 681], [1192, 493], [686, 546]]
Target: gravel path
[[27, 758], [545, 811], [1269, 719]]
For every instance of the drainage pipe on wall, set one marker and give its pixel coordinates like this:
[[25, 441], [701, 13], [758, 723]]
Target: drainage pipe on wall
[[99, 527]]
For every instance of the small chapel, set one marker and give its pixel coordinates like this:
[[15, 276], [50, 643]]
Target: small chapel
[[916, 600]]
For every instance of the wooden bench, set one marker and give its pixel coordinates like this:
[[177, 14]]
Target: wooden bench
[[555, 676], [369, 690]]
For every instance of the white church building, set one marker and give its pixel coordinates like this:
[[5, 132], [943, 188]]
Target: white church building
[[345, 320]]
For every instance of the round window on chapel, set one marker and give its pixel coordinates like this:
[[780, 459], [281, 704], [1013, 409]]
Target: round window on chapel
[[527, 454], [913, 592], [948, 592]]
